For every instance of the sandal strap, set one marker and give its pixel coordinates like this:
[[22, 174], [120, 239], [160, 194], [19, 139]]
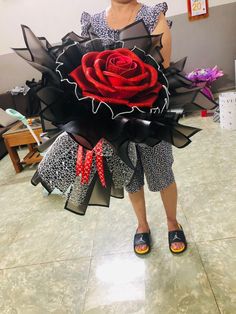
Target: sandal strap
[[142, 239], [176, 236]]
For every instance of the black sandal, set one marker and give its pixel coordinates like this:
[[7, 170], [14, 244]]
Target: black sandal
[[142, 239], [177, 236]]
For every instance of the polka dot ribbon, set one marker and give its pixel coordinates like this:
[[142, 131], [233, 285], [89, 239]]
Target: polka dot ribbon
[[85, 160]]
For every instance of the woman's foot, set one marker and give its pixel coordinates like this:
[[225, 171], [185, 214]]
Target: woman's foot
[[142, 248], [175, 246]]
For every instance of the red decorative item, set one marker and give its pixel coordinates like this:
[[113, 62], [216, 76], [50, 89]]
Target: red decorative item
[[79, 162], [99, 162], [203, 113], [85, 161], [87, 166], [117, 77], [197, 9]]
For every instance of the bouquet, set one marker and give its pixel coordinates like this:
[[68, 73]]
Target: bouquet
[[102, 91], [208, 76]]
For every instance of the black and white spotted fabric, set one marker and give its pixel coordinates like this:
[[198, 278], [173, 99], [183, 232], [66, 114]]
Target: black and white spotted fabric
[[57, 169], [155, 163], [149, 14]]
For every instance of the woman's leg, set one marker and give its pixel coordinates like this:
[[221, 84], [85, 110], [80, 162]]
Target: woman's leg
[[157, 163], [150, 157], [169, 199], [138, 202]]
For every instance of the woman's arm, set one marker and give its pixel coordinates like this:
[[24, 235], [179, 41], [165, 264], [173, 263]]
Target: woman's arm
[[162, 27]]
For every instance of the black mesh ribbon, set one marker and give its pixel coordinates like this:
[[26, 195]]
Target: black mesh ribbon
[[88, 120]]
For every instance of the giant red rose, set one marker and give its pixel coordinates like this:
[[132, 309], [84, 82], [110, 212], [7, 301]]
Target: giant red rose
[[117, 77]]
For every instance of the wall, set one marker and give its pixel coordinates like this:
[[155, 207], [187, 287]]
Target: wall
[[210, 42], [45, 18]]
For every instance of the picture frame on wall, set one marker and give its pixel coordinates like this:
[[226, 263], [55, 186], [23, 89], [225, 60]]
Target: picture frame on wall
[[198, 9]]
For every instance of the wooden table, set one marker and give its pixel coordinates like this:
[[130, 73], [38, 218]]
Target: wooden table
[[20, 135]]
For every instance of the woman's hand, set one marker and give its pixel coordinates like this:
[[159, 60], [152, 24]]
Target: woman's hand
[[162, 27]]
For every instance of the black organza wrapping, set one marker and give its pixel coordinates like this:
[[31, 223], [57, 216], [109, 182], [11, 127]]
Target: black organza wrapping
[[88, 120]]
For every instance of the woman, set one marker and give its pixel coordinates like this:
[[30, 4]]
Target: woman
[[156, 162]]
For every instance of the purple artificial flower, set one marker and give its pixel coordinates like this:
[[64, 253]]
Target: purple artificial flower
[[207, 75]]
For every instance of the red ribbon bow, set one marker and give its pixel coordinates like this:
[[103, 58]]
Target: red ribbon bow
[[85, 160]]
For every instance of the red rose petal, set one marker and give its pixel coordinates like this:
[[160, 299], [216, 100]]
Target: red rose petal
[[153, 74], [132, 71], [118, 80], [103, 55], [155, 89], [126, 71], [128, 92], [101, 88], [119, 59], [133, 56], [79, 77], [117, 77], [118, 63], [146, 99], [88, 60], [99, 67]]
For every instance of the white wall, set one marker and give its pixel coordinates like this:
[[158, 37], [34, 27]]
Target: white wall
[[54, 18]]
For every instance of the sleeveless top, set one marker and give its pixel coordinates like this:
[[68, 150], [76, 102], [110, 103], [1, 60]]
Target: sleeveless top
[[99, 26]]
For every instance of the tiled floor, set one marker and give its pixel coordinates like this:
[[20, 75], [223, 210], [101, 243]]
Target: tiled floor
[[53, 261]]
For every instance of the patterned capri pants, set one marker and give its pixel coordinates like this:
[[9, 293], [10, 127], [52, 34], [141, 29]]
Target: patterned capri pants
[[156, 164]]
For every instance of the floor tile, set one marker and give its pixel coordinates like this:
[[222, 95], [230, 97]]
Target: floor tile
[[115, 228], [210, 210], [178, 284], [210, 157], [22, 197], [47, 288], [9, 227], [220, 263], [159, 283], [8, 174], [49, 236]]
